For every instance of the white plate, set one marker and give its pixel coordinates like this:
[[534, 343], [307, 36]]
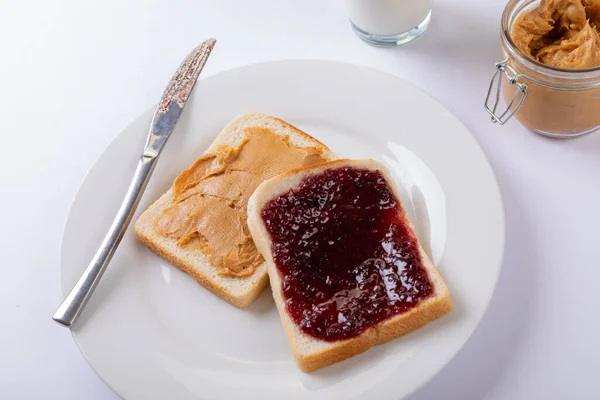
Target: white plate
[[151, 332]]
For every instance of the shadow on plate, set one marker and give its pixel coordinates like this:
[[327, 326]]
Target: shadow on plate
[[479, 366], [264, 303]]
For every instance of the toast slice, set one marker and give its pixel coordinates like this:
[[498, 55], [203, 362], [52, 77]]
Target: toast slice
[[312, 353], [239, 291]]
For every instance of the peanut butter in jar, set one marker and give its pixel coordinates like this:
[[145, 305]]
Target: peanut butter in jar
[[550, 79]]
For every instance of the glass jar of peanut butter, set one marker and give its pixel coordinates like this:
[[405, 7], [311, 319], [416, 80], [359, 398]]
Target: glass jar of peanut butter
[[550, 78]]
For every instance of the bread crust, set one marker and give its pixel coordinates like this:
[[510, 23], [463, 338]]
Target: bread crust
[[311, 353]]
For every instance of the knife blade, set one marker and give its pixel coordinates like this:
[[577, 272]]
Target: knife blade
[[165, 118]]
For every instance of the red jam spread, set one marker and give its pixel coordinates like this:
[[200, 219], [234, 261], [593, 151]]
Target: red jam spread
[[346, 255]]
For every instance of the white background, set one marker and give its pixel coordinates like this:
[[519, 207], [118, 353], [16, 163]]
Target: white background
[[73, 74]]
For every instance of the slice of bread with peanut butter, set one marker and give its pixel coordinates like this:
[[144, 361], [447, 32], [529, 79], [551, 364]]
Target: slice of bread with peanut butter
[[200, 226]]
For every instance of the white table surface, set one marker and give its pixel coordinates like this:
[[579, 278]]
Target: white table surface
[[73, 75]]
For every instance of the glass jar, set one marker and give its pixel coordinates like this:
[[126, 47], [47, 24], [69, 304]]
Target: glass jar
[[550, 101]]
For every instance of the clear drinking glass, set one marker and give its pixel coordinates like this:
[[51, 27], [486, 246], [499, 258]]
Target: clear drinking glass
[[389, 23]]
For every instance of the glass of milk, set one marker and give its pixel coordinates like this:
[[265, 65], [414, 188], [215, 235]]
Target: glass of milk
[[389, 23]]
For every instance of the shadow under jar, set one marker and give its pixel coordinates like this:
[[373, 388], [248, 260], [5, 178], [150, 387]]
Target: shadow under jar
[[550, 101]]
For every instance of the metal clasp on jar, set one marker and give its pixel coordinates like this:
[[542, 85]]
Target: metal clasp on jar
[[503, 69]]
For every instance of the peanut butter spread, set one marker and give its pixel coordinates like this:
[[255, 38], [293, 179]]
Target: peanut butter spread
[[210, 198], [561, 33]]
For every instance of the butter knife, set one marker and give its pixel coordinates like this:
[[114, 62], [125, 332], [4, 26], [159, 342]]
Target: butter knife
[[164, 120]]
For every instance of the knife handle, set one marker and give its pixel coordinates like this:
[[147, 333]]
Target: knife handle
[[71, 307]]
